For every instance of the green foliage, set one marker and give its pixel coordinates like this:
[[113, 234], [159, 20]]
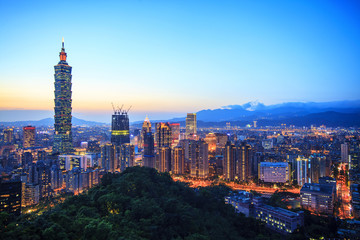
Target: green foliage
[[140, 203]]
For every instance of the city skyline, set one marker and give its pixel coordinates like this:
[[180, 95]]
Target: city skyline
[[167, 59]]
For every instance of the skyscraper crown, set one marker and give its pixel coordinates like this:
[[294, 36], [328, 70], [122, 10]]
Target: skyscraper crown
[[63, 53]]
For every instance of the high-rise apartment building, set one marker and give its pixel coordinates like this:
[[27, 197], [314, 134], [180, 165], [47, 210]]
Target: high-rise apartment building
[[229, 161], [126, 156], [178, 160], [345, 153], [149, 150], [8, 136], [163, 135], [146, 128], [108, 159], [243, 161], [175, 133], [198, 156], [120, 128], [236, 162], [163, 159], [191, 131], [63, 136], [29, 136]]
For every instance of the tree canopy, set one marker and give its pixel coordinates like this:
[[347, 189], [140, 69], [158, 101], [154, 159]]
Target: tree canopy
[[140, 203]]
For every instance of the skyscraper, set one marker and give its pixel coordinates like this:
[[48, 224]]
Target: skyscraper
[[175, 133], [8, 136], [149, 153], [229, 161], [243, 165], [190, 125], [126, 156], [178, 160], [199, 164], [120, 128], [163, 135], [146, 127], [63, 136], [28, 136], [108, 159]]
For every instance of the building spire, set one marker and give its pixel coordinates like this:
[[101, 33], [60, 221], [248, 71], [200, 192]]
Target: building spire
[[63, 53]]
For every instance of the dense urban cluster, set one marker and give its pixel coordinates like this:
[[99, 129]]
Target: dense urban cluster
[[311, 169]]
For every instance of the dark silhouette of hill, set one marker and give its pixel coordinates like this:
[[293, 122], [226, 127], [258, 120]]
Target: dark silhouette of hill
[[50, 122]]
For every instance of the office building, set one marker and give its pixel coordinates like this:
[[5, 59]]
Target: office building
[[10, 197], [149, 150], [191, 126], [120, 128], [345, 153], [301, 169], [163, 137], [63, 141], [318, 198], [274, 172], [278, 219], [146, 128], [29, 136]]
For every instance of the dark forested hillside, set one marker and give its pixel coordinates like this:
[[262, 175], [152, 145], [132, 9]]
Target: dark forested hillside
[[139, 203]]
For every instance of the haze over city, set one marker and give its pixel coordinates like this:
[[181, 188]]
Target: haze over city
[[168, 58]]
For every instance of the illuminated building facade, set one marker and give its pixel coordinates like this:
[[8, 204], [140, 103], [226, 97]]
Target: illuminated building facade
[[178, 160], [163, 159], [175, 133], [318, 197], [29, 136], [191, 128], [63, 136], [198, 156], [163, 137], [10, 197], [274, 172], [146, 128], [8, 136], [120, 128], [243, 163], [279, 219], [229, 161]]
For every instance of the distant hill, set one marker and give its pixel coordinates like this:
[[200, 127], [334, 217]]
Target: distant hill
[[50, 122], [332, 114], [255, 110]]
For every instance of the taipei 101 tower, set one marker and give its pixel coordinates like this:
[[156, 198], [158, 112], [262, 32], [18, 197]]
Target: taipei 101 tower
[[63, 136]]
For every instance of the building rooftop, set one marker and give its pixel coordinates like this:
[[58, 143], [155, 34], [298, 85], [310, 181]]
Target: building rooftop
[[316, 187], [274, 164]]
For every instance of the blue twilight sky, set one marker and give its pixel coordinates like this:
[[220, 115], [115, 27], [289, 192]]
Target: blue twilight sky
[[166, 58]]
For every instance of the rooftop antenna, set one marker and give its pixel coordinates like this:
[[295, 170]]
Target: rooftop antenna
[[119, 109], [128, 109], [113, 107]]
